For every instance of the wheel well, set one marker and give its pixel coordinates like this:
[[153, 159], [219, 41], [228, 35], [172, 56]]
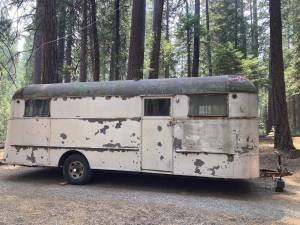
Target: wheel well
[[67, 154]]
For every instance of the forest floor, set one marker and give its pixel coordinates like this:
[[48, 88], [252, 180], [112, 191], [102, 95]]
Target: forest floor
[[39, 196]]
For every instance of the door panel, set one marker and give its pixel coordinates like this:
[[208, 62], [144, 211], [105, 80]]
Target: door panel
[[157, 143]]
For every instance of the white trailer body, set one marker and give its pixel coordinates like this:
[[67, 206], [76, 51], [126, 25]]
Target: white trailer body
[[203, 127]]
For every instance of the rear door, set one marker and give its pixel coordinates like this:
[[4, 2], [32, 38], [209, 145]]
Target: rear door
[[157, 134]]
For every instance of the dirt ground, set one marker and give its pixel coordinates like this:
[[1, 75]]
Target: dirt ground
[[39, 196]]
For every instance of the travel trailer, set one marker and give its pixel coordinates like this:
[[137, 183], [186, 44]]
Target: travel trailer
[[204, 127]]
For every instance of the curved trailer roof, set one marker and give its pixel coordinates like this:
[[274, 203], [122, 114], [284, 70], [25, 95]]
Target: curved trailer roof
[[171, 86]]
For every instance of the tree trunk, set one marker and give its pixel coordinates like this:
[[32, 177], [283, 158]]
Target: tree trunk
[[137, 41], [156, 28], [195, 70], [49, 34], [243, 31], [283, 139], [270, 112], [255, 30], [294, 115], [95, 42], [83, 44], [37, 72], [208, 39], [188, 42], [167, 66], [69, 37], [61, 39], [114, 73], [236, 22]]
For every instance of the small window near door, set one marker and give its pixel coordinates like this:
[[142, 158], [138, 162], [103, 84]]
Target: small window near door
[[157, 107], [208, 105], [37, 108]]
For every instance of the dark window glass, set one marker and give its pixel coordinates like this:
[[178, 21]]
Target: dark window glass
[[37, 108], [157, 107], [208, 105]]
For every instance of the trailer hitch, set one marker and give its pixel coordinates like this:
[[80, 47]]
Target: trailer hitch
[[277, 174]]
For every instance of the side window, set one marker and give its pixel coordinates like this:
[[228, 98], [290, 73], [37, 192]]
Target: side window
[[37, 108], [208, 105], [157, 107]]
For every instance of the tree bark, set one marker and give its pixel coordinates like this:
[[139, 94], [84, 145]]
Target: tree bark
[[69, 44], [38, 59], [114, 73], [49, 34], [283, 139], [188, 42], [208, 38], [236, 22], [167, 66], [243, 31], [61, 39], [255, 30], [195, 70], [95, 42], [156, 28], [137, 41], [270, 112], [83, 44]]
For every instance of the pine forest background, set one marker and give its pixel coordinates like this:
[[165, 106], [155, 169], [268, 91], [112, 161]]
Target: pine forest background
[[50, 41]]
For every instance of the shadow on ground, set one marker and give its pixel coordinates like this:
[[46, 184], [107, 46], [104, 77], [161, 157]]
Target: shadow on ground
[[239, 189]]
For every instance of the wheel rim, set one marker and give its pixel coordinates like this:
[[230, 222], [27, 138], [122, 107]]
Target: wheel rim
[[76, 169]]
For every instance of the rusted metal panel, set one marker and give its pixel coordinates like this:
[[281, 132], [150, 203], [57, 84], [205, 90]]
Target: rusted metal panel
[[180, 106], [204, 165], [102, 159], [157, 144], [96, 107], [27, 155], [172, 86], [203, 135], [116, 133], [29, 132], [17, 108], [242, 105]]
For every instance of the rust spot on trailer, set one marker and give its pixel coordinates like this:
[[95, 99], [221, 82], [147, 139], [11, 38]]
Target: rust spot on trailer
[[199, 162], [132, 135], [65, 98], [97, 132], [162, 157], [63, 136], [31, 158], [93, 98], [118, 125], [213, 170], [159, 128], [87, 138], [103, 130], [197, 170], [78, 97], [107, 97], [177, 143], [230, 158], [159, 144]]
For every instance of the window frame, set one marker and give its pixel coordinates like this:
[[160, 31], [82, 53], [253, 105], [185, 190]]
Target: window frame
[[209, 94], [38, 116], [153, 98]]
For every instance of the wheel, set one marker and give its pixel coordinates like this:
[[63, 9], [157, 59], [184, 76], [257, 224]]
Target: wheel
[[76, 170]]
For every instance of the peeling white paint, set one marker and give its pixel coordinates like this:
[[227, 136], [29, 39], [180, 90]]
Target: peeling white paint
[[112, 133]]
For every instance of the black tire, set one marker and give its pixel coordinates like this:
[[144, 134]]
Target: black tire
[[76, 170]]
